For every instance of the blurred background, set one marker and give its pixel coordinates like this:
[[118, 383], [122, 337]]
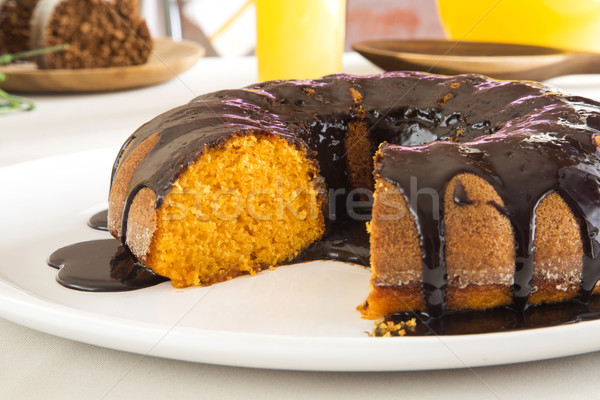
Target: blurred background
[[227, 27]]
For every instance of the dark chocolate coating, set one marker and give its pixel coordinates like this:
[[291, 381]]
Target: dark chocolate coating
[[524, 138]]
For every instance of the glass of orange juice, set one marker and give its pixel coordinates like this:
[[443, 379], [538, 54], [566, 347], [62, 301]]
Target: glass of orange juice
[[555, 23], [299, 39]]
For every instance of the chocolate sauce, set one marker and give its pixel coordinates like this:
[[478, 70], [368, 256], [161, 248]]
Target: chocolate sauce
[[101, 266], [346, 241], [99, 221], [524, 139], [500, 319]]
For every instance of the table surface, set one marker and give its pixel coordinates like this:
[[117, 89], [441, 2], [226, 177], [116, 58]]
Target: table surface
[[37, 365]]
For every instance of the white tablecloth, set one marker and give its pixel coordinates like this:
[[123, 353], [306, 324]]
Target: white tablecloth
[[36, 365]]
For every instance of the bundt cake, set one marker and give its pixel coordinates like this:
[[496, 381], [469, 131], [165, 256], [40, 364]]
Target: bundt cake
[[99, 33], [486, 192]]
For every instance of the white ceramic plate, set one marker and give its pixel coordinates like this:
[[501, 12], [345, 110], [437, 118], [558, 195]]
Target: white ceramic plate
[[298, 317]]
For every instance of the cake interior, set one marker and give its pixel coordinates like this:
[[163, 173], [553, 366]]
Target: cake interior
[[251, 203]]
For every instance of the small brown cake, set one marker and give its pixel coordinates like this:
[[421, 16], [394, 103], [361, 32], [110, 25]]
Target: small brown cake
[[99, 33], [15, 18]]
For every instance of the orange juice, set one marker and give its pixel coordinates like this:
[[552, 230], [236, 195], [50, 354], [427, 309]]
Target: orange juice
[[299, 39], [555, 23]]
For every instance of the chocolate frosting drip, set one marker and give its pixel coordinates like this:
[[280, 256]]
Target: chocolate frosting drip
[[99, 221], [525, 139]]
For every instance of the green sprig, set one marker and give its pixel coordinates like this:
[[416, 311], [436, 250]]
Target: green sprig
[[9, 102], [7, 58]]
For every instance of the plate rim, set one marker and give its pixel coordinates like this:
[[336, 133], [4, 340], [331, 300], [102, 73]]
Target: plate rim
[[257, 350]]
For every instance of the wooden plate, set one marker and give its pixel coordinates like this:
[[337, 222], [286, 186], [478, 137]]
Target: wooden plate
[[497, 60], [168, 59]]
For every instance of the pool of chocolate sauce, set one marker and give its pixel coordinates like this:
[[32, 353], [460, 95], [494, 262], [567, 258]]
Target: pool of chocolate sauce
[[103, 265], [500, 319]]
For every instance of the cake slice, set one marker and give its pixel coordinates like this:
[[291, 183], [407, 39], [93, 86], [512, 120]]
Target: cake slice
[[479, 254], [247, 203]]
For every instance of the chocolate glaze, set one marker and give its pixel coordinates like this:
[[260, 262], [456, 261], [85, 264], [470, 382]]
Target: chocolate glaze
[[525, 139], [99, 221], [346, 241], [101, 266]]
